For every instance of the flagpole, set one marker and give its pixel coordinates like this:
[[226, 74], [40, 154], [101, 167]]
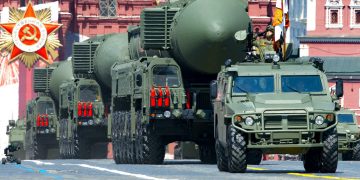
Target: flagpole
[[284, 30]]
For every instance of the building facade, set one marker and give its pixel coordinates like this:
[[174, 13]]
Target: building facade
[[80, 20], [333, 33]]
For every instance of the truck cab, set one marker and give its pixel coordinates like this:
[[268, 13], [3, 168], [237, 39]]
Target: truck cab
[[283, 108], [349, 135]]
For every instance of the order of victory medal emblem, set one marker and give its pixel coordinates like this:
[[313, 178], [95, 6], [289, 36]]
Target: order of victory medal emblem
[[30, 35]]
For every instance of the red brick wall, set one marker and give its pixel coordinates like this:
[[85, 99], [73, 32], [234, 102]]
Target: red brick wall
[[322, 49]]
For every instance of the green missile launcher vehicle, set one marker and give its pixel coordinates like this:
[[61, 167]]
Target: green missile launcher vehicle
[[16, 131], [348, 135], [41, 118], [265, 108], [160, 91]]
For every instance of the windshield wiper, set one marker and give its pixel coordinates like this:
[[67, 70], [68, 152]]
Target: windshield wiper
[[241, 89], [292, 88]]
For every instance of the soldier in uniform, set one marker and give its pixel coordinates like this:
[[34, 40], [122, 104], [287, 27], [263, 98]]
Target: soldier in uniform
[[265, 43]]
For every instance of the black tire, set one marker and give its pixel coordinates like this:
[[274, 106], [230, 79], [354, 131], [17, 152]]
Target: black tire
[[62, 141], [3, 161], [115, 137], [123, 139], [329, 154], [129, 139], [18, 161], [236, 151], [138, 136], [207, 153], [254, 157], [311, 161], [356, 152], [153, 147], [222, 161], [39, 149]]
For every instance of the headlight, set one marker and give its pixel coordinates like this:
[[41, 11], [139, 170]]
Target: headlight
[[319, 120], [91, 122], [167, 114], [249, 121], [352, 136], [276, 58]]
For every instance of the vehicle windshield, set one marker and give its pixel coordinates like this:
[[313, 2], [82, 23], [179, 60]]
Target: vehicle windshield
[[345, 118], [166, 76], [303, 83], [45, 107], [253, 84], [89, 93]]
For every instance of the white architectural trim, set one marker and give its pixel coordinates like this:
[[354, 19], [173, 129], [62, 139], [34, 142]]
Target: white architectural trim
[[311, 15], [334, 5], [354, 6], [304, 50]]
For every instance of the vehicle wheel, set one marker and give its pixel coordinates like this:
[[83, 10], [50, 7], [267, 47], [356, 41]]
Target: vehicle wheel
[[236, 151], [138, 137], [18, 161], [329, 155], [39, 150], [153, 147], [130, 142], [115, 136], [122, 145], [177, 151], [347, 156], [254, 157], [311, 161], [222, 161], [62, 142], [356, 152], [207, 153], [3, 161]]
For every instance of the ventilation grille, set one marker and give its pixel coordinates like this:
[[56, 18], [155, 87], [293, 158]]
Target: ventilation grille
[[83, 57], [155, 27], [42, 79]]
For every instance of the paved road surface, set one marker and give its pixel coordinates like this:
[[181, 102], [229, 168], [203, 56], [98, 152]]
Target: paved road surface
[[172, 169]]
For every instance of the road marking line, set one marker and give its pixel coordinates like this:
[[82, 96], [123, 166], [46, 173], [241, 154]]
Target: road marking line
[[141, 176], [256, 169], [308, 175], [41, 171], [40, 162]]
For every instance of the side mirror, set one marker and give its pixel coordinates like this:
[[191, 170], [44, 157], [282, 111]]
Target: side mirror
[[339, 88], [213, 89], [12, 123], [7, 130]]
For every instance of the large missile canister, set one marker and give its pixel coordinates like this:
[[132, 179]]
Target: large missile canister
[[59, 75], [206, 33], [113, 49]]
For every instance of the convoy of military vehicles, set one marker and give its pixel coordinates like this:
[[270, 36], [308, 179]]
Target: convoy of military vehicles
[[184, 74]]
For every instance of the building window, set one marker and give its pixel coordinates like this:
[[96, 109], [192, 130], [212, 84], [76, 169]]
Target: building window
[[355, 14], [22, 3], [108, 8], [334, 14]]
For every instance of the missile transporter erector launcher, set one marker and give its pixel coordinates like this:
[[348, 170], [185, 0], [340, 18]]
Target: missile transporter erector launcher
[[160, 91], [41, 119], [85, 101]]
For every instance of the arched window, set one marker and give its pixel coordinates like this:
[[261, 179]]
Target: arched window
[[107, 8], [355, 14], [334, 14]]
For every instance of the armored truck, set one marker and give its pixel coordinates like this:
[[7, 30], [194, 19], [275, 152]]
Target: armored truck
[[348, 135], [280, 108], [16, 131]]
